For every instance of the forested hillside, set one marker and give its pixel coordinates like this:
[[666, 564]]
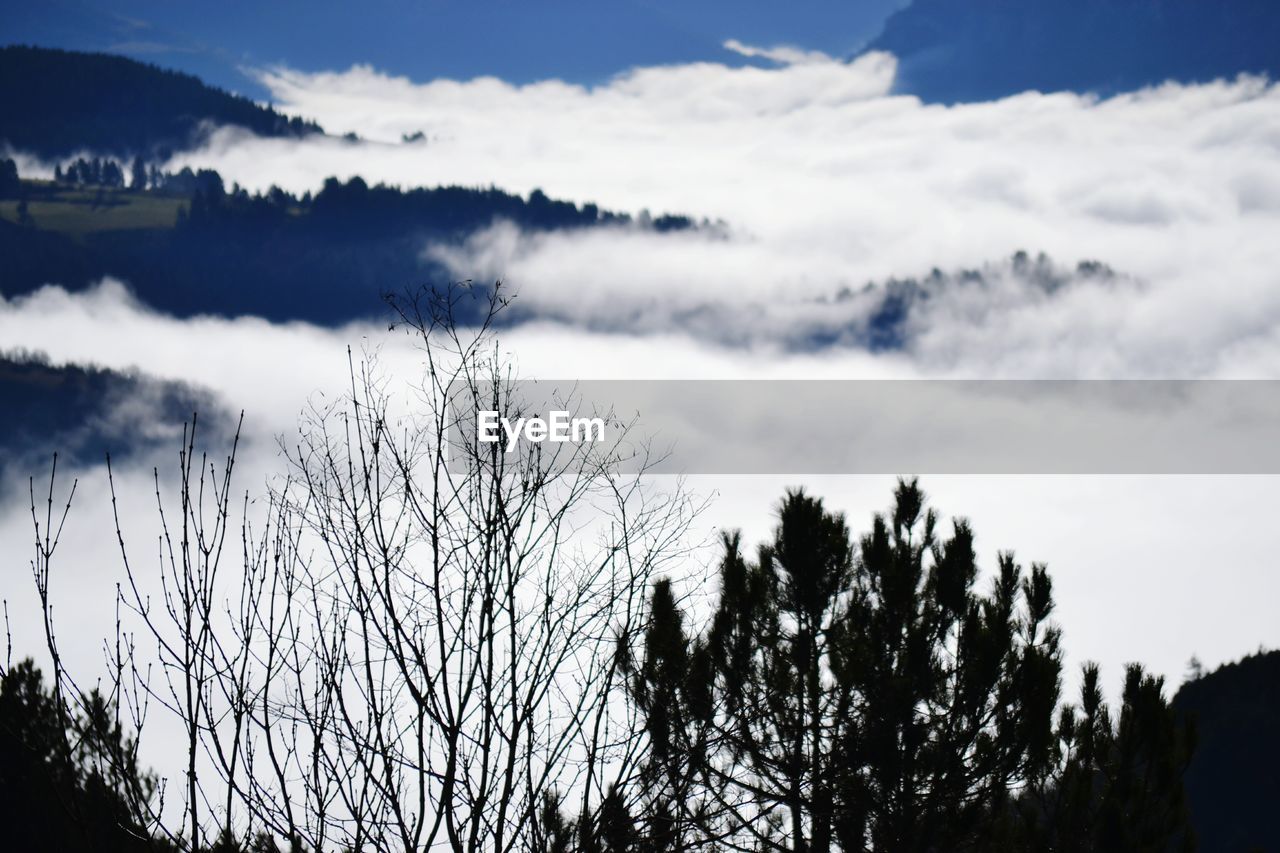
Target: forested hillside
[[187, 244], [56, 102], [1233, 783], [82, 413]]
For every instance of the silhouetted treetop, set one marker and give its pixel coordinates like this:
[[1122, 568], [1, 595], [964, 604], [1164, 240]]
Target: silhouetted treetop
[[69, 778]]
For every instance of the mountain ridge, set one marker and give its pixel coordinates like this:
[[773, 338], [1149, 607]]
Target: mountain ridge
[[953, 51], [54, 103]]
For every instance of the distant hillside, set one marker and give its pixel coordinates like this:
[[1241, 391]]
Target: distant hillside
[[56, 102], [83, 413], [1233, 783], [188, 245], [969, 50]]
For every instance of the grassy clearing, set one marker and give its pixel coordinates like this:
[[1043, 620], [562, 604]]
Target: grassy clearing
[[80, 211]]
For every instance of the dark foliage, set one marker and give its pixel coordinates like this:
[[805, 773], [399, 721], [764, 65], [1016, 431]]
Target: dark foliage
[[846, 697], [70, 779], [1233, 782], [96, 172], [1118, 785], [869, 697], [327, 257], [66, 779], [10, 183], [972, 50], [55, 102]]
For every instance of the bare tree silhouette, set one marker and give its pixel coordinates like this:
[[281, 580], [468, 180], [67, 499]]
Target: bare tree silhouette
[[414, 646]]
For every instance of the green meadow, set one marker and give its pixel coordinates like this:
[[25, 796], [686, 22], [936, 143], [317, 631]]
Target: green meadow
[[78, 211]]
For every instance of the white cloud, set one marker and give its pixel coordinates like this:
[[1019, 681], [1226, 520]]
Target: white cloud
[[266, 369], [782, 54], [826, 182], [1111, 607]]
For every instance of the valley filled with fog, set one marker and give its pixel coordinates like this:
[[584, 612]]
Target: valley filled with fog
[[848, 232]]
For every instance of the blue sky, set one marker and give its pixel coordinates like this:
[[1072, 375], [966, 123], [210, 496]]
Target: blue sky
[[583, 41]]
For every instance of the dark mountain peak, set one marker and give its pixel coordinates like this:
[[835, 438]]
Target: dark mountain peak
[[56, 102], [969, 50]]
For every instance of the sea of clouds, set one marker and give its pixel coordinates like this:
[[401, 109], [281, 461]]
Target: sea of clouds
[[820, 181], [826, 182]]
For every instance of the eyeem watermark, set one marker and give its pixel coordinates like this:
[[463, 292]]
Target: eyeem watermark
[[797, 427], [558, 427]]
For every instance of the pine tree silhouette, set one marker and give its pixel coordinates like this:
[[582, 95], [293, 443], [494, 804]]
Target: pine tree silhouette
[[873, 698]]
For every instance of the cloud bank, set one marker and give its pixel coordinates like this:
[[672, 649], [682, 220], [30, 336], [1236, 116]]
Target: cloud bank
[[825, 183]]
